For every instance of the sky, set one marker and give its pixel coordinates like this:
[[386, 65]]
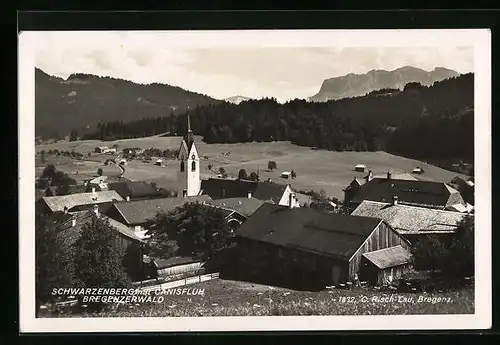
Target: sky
[[222, 66]]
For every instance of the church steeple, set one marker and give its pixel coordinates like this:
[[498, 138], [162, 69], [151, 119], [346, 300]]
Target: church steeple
[[189, 138]]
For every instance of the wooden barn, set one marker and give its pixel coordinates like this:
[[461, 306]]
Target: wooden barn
[[303, 245]]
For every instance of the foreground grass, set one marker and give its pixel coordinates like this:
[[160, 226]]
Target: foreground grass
[[231, 298]]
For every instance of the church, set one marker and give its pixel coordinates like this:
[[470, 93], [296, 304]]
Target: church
[[188, 176], [189, 183]]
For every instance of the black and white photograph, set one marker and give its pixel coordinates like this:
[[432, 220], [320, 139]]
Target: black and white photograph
[[254, 180]]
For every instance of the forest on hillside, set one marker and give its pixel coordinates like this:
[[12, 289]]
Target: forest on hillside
[[424, 122]]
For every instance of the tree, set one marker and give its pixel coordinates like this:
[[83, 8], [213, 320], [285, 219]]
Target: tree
[[242, 174], [73, 136], [53, 263], [98, 260], [453, 258], [49, 171], [271, 165], [99, 171], [89, 154], [294, 174], [222, 171], [42, 156], [194, 230], [253, 176]]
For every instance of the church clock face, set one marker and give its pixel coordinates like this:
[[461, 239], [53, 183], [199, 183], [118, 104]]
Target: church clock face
[[193, 157]]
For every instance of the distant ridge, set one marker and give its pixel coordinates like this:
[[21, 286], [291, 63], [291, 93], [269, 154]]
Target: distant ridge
[[83, 100], [237, 99], [354, 85]]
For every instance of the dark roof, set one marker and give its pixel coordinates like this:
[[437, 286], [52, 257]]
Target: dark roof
[[424, 193], [134, 189], [173, 261], [226, 189], [308, 229], [142, 211], [269, 191]]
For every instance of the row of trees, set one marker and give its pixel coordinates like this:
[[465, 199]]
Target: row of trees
[[395, 122]]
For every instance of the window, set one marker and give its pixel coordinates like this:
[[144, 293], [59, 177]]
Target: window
[[193, 166], [182, 166]]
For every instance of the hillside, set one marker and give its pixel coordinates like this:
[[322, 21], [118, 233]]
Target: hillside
[[353, 85], [81, 101], [424, 122]]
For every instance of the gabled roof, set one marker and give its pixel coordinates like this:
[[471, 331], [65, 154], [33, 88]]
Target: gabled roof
[[423, 193], [142, 211], [244, 206], [410, 219], [269, 191], [389, 257], [71, 233], [309, 230], [57, 203], [226, 188], [134, 189]]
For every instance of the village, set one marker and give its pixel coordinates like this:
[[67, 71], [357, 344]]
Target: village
[[281, 236]]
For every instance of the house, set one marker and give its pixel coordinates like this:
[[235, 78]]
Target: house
[[296, 245], [53, 204], [135, 190], [286, 174], [411, 222], [266, 191], [415, 193], [70, 227], [138, 215], [159, 162], [360, 167]]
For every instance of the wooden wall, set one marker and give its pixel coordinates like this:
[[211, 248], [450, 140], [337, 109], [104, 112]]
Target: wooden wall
[[382, 237]]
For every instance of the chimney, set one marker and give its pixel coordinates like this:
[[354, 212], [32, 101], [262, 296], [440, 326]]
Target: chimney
[[394, 200], [369, 177], [73, 222], [290, 201], [96, 210], [128, 198], [93, 190], [249, 195], [389, 175], [65, 209]]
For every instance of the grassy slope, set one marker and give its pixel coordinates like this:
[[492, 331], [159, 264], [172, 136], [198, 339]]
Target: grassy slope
[[331, 171], [232, 298]]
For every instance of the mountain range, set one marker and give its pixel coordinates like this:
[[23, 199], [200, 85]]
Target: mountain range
[[237, 99], [82, 101], [354, 85]]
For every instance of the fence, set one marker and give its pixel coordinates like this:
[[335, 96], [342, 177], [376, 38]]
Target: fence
[[182, 282]]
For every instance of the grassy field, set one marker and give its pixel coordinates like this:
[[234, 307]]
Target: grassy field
[[232, 298], [315, 169]]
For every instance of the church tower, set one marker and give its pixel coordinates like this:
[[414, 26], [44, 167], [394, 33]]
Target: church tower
[[188, 177]]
